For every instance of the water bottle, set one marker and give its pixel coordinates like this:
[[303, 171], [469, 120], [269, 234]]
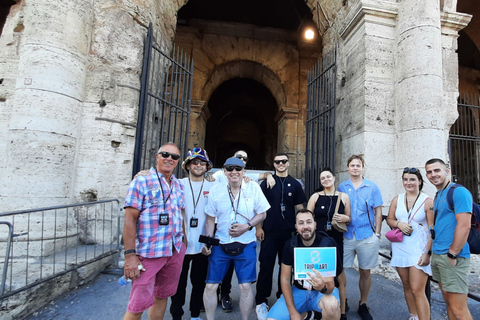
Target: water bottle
[[123, 281]]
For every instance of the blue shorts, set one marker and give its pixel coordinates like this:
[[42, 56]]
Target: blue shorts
[[305, 300], [245, 264]]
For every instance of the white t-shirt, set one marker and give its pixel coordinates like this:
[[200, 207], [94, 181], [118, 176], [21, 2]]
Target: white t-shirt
[[248, 202], [202, 189]]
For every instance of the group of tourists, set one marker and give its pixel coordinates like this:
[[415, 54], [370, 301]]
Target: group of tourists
[[208, 225]]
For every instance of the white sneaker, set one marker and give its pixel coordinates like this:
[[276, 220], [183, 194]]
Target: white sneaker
[[198, 318], [262, 311]]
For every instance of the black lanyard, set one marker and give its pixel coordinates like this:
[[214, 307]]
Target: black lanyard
[[413, 206], [195, 203], [163, 194], [435, 203]]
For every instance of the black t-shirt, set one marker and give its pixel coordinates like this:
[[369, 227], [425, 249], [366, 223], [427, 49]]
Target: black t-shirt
[[293, 194], [321, 240]]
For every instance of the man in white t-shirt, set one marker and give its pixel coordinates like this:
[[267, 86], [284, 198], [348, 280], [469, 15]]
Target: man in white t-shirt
[[196, 190]]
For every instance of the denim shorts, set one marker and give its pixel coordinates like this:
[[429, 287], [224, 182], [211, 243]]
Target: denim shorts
[[245, 264], [159, 280], [453, 279], [305, 300]]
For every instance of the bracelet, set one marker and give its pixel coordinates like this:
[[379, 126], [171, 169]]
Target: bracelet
[[129, 251], [398, 221]]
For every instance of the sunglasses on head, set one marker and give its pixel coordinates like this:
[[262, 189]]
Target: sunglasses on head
[[166, 154], [280, 161], [231, 168], [410, 170], [197, 161], [239, 156]]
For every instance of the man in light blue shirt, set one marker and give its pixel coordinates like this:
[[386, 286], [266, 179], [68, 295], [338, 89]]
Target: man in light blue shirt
[[363, 235]]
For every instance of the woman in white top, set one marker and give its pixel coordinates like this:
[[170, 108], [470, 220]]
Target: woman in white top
[[412, 213]]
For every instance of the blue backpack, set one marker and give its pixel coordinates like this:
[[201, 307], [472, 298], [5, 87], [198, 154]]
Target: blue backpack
[[474, 235]]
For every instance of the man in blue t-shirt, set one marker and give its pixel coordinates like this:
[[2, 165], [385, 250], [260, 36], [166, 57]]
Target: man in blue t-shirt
[[363, 235], [286, 197], [451, 253]]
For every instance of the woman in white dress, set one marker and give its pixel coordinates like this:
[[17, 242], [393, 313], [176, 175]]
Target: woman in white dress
[[412, 213]]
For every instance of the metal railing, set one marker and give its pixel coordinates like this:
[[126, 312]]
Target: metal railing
[[49, 242]]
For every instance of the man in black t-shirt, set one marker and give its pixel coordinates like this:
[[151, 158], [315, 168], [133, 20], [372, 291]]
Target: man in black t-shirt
[[286, 197], [317, 293]]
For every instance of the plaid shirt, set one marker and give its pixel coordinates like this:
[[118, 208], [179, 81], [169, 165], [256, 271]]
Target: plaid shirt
[[145, 194]]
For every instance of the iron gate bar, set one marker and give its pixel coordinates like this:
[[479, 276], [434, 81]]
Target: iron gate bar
[[320, 126], [464, 144], [165, 103], [7, 255]]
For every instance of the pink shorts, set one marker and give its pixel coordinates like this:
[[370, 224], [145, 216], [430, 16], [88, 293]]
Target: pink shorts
[[159, 280]]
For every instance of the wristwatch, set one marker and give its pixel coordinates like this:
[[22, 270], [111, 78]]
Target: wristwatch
[[451, 255], [324, 289], [129, 251], [250, 227]]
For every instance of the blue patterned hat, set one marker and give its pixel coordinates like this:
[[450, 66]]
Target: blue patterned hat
[[198, 153]]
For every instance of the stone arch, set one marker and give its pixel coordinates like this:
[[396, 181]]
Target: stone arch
[[246, 69]]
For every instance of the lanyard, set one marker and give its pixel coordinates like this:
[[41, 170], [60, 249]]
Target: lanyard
[[435, 203], [163, 194], [232, 199], [195, 203]]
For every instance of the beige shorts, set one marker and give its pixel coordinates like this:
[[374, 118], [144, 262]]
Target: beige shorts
[[365, 249]]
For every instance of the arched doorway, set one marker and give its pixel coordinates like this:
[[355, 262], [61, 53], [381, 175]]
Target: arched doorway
[[242, 118]]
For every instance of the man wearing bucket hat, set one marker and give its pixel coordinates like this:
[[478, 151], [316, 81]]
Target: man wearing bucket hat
[[238, 208], [196, 190]]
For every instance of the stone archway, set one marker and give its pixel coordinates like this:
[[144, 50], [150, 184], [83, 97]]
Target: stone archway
[[242, 118]]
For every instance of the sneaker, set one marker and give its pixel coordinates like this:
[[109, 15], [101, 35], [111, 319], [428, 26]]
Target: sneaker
[[343, 316], [412, 317], [262, 311], [227, 304], [363, 312], [197, 318]]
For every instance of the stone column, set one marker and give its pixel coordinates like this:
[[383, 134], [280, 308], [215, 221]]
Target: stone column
[[287, 119], [421, 112], [199, 115], [43, 130]]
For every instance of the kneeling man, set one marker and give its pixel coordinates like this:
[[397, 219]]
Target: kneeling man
[[315, 294]]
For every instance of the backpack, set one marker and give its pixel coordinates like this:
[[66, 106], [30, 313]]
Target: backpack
[[474, 235]]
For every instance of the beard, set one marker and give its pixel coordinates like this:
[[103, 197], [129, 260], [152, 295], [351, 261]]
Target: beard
[[307, 237]]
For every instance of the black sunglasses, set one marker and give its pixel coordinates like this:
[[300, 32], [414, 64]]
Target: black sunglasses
[[231, 168], [410, 170], [166, 154], [198, 161], [280, 161], [239, 156]]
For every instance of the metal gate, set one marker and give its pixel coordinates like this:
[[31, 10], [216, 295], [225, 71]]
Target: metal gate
[[464, 144], [321, 101], [165, 98]]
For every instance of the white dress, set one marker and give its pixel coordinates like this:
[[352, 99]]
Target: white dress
[[408, 252]]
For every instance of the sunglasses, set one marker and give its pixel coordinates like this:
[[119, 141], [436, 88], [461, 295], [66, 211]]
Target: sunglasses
[[280, 161], [410, 170], [166, 154], [197, 162], [231, 168], [239, 156]]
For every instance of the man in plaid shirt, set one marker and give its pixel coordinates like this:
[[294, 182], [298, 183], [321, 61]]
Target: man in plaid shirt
[[153, 236]]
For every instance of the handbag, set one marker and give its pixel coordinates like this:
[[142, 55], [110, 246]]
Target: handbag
[[340, 226], [233, 249], [396, 235]]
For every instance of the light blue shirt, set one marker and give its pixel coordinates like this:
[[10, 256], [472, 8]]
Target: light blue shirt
[[446, 220], [366, 197]]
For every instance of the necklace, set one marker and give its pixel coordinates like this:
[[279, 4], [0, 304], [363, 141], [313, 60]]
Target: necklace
[[409, 210]]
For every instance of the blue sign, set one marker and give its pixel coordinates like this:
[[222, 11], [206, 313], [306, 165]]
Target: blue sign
[[324, 259]]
